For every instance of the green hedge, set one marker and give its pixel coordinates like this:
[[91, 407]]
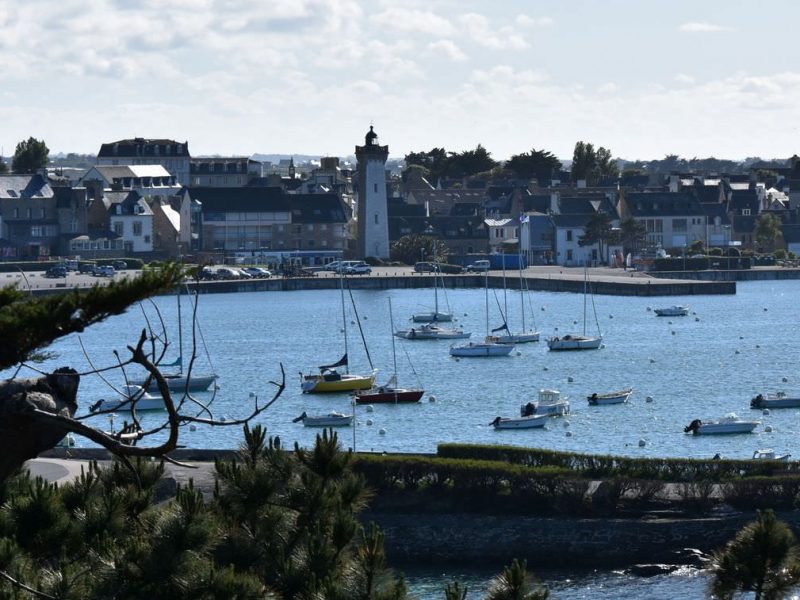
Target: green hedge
[[599, 466]]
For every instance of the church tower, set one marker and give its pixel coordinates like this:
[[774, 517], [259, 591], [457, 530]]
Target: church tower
[[373, 218]]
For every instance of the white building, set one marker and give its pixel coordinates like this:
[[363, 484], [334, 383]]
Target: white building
[[172, 155], [373, 217]]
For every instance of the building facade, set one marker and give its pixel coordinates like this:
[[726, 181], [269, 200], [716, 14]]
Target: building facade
[[172, 155]]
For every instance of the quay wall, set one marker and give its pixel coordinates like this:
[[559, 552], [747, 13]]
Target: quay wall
[[732, 275], [613, 287]]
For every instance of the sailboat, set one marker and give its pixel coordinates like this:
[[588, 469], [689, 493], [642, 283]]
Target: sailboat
[[329, 379], [489, 346], [436, 316], [575, 341], [389, 393], [523, 337], [180, 381]]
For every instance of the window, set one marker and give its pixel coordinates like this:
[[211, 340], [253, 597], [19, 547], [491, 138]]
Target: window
[[376, 218], [569, 239], [147, 239], [310, 227], [679, 225], [569, 254], [117, 227], [137, 228], [745, 212], [41, 213], [16, 213], [36, 231], [29, 212], [376, 188]]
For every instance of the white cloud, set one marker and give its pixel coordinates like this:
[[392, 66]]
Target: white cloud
[[608, 88], [478, 28], [701, 27], [684, 78], [449, 49], [528, 21], [416, 21]]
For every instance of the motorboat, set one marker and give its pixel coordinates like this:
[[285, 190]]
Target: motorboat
[[672, 311], [769, 454], [135, 396], [489, 347], [529, 422], [330, 380], [618, 397], [777, 400], [550, 402], [730, 423], [332, 419], [574, 342], [431, 331]]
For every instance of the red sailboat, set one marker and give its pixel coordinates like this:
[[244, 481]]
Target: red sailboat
[[389, 393]]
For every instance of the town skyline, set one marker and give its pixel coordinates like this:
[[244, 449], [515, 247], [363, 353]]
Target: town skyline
[[308, 77]]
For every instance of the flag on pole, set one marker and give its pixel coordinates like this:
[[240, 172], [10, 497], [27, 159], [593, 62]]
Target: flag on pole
[[523, 218]]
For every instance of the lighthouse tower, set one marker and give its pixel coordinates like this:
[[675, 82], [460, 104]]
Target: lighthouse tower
[[373, 218]]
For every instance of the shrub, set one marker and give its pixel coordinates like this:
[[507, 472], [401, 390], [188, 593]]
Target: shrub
[[373, 261], [715, 251], [779, 254]]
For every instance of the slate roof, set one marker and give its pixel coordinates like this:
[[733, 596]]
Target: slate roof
[[662, 204], [153, 148], [583, 204], [536, 202], [318, 208], [131, 202], [705, 193], [466, 209], [572, 221], [744, 199], [112, 172], [240, 199], [24, 186]]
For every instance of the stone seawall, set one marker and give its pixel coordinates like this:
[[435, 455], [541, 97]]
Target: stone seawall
[[732, 275], [617, 286]]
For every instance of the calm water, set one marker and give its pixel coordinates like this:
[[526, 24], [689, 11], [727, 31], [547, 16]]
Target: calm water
[[701, 366]]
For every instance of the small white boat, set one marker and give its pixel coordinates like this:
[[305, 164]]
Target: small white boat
[[529, 422], [574, 342], [550, 402], [618, 397], [485, 348], [778, 400], [180, 382], [769, 454], [431, 331], [332, 419], [518, 338], [672, 311], [135, 396], [730, 423], [432, 317]]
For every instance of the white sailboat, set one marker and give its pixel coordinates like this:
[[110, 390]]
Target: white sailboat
[[573, 341], [489, 346], [180, 381], [522, 337], [436, 316]]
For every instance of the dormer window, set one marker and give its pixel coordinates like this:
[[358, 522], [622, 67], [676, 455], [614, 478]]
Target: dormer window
[[745, 212]]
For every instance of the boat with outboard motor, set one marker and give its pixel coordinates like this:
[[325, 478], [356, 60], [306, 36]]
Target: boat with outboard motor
[[777, 400], [730, 423], [526, 422], [618, 397], [332, 419], [672, 311], [550, 402], [769, 454]]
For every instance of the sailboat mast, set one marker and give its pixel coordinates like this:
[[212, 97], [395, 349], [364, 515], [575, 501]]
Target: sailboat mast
[[521, 293], [486, 288], [180, 335], [391, 331], [344, 317], [435, 283], [584, 300], [505, 295]]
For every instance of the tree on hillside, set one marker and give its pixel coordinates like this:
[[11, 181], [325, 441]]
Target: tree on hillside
[[470, 162], [536, 164], [592, 164], [3, 166], [416, 247], [30, 156], [435, 162], [598, 231], [763, 558], [37, 413], [767, 231]]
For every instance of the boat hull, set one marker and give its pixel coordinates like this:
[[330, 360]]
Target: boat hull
[[178, 383], [776, 402], [725, 428], [518, 338], [554, 409], [317, 384], [122, 404], [574, 342], [532, 422], [481, 349], [613, 398], [432, 334], [389, 396], [672, 311], [328, 421]]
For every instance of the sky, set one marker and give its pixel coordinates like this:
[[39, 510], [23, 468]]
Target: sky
[[643, 78]]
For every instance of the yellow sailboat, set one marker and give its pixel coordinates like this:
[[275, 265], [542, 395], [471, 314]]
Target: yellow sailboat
[[329, 379]]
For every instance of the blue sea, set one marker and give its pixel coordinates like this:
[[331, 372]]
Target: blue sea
[[705, 365]]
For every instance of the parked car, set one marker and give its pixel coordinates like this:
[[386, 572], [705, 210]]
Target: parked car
[[258, 272], [479, 266], [104, 271], [360, 268], [227, 273], [207, 274], [86, 267], [56, 271], [332, 266], [426, 267], [120, 264]]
